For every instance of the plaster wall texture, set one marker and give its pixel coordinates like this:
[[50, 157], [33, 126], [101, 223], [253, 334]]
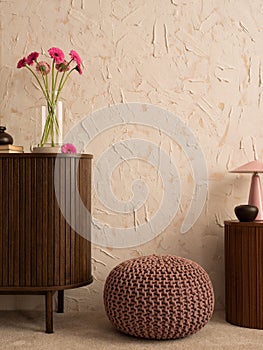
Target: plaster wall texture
[[200, 60]]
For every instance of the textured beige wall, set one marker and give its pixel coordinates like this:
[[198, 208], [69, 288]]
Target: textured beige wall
[[199, 59]]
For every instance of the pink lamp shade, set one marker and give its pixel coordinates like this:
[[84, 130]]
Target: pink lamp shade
[[252, 167], [255, 193]]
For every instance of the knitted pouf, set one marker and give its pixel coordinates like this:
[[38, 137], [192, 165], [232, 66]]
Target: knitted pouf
[[159, 297]]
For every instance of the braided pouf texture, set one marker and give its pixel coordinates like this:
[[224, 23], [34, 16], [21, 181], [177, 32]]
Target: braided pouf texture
[[159, 297]]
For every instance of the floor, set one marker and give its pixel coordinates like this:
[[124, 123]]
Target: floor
[[24, 330]]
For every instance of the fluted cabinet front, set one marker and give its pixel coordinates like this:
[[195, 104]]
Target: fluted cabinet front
[[244, 273], [40, 246]]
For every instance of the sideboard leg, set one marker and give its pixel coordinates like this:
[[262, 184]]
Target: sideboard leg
[[49, 312], [60, 301]]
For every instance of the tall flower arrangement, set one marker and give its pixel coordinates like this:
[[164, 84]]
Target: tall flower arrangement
[[51, 79]]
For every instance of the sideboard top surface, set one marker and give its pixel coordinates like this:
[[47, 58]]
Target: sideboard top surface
[[239, 223], [49, 155]]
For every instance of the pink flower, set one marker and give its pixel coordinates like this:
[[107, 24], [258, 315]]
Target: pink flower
[[32, 58], [75, 57], [78, 69], [43, 67], [68, 148], [56, 54], [21, 63], [62, 67]]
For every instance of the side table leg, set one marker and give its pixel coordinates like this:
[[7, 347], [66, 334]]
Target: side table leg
[[49, 312], [60, 301]]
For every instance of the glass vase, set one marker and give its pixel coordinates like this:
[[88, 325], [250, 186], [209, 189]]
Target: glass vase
[[51, 129], [52, 125]]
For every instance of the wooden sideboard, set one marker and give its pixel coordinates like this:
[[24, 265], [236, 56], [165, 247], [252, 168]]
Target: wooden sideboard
[[244, 273], [40, 252]]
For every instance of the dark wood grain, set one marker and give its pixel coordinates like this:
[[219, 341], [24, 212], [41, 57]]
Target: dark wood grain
[[60, 301], [32, 212], [244, 273], [26, 190], [72, 211], [22, 223], [49, 312], [55, 212], [1, 220], [39, 251], [17, 223], [62, 224], [46, 203], [11, 223], [39, 233], [4, 223], [68, 252]]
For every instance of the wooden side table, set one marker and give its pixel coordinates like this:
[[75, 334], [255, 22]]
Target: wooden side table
[[40, 253], [244, 273]]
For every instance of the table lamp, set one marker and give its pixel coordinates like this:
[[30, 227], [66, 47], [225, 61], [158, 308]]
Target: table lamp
[[255, 193]]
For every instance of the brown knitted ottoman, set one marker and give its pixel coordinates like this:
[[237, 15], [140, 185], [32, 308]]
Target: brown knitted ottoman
[[159, 297]]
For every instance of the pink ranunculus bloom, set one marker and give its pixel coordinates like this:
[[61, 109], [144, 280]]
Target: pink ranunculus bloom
[[75, 57], [43, 67], [56, 54], [21, 63], [68, 148], [78, 69], [31, 58], [62, 67]]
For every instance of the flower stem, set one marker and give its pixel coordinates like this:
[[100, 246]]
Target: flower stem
[[62, 83], [39, 83]]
